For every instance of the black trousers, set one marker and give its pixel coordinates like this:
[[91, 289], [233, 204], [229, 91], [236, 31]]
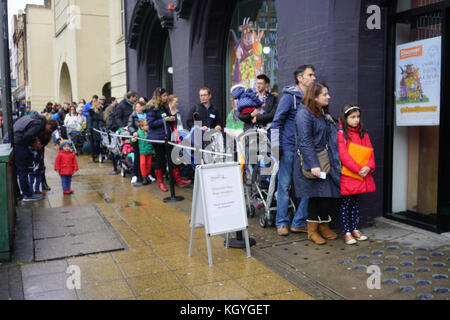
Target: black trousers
[[322, 209], [95, 146], [137, 161], [159, 162]]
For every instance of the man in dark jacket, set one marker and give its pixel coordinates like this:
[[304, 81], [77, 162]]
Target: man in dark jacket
[[48, 108], [124, 109], [263, 116], [26, 130], [284, 136], [206, 112], [62, 113]]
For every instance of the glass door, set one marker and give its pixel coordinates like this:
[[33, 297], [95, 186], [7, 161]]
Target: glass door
[[416, 128], [417, 117]]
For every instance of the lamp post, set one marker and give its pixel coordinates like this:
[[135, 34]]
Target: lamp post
[[5, 72]]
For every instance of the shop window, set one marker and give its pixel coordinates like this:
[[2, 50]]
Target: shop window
[[417, 110], [252, 45], [167, 69], [403, 5]]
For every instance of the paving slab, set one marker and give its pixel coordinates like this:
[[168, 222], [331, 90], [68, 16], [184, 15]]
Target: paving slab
[[76, 245], [72, 231], [58, 228], [413, 264]]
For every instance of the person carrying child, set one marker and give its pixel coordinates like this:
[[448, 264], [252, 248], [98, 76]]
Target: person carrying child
[[66, 164], [356, 178], [146, 151], [36, 171], [247, 102]]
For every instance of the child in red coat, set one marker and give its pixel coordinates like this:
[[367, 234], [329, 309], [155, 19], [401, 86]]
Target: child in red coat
[[353, 130], [66, 164]]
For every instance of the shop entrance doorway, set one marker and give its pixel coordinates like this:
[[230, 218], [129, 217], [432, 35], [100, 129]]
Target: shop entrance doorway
[[417, 116]]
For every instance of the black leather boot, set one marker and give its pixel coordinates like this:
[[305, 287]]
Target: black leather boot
[[45, 186]]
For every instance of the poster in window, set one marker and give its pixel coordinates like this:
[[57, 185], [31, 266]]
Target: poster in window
[[418, 83]]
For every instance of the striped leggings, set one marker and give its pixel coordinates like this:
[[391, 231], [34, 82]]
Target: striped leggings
[[349, 212]]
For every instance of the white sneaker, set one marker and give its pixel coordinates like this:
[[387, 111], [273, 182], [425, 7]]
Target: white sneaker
[[133, 180], [348, 238], [151, 178]]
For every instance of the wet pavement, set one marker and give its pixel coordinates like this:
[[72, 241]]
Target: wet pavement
[[154, 264]]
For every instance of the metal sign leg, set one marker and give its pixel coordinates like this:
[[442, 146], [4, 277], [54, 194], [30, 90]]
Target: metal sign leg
[[247, 243], [208, 247]]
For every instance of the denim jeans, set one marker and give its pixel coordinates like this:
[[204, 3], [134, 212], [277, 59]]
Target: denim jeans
[[23, 161], [66, 182], [284, 182], [35, 182]]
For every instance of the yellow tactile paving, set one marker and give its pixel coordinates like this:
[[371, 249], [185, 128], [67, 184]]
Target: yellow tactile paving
[[156, 264]]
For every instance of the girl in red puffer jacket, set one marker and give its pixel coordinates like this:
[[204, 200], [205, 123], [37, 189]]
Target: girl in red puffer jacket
[[66, 164], [353, 130]]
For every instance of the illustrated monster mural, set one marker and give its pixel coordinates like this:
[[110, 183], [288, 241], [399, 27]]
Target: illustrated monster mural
[[410, 85], [248, 49]]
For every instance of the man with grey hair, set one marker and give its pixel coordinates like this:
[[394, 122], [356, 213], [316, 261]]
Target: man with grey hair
[[124, 109]]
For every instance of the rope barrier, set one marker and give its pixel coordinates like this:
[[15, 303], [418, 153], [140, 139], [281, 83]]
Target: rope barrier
[[163, 142]]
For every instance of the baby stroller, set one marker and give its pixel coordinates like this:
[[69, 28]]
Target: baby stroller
[[76, 136], [126, 153], [260, 179], [105, 144]]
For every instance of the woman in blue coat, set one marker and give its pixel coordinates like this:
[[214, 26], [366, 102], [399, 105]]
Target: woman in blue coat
[[159, 120], [317, 131]]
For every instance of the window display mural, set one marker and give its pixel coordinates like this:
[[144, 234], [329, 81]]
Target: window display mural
[[252, 48], [418, 83]]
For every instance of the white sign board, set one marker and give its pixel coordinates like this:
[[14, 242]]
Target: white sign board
[[218, 202], [418, 83]]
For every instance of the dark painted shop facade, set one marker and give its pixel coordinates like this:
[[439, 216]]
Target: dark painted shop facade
[[184, 45]]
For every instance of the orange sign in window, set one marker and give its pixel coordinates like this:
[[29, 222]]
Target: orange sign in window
[[411, 52]]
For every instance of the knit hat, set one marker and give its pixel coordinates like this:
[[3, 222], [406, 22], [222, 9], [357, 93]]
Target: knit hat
[[63, 143], [247, 100]]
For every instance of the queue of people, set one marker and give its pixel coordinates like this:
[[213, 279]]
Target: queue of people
[[314, 150], [314, 147]]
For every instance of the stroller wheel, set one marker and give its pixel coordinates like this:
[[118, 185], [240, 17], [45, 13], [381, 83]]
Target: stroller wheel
[[271, 220], [263, 221], [251, 212]]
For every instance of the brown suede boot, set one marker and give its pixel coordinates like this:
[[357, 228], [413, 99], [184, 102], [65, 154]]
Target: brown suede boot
[[313, 233], [326, 232]]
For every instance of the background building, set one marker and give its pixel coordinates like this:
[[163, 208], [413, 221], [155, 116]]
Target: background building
[[89, 50], [18, 58], [66, 50], [39, 55], [189, 44]]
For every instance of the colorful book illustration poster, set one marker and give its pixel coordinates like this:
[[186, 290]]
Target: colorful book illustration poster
[[418, 83]]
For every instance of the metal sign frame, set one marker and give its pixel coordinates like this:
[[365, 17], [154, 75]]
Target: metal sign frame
[[200, 196]]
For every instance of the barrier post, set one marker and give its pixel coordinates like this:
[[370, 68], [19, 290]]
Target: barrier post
[[173, 197], [238, 242]]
